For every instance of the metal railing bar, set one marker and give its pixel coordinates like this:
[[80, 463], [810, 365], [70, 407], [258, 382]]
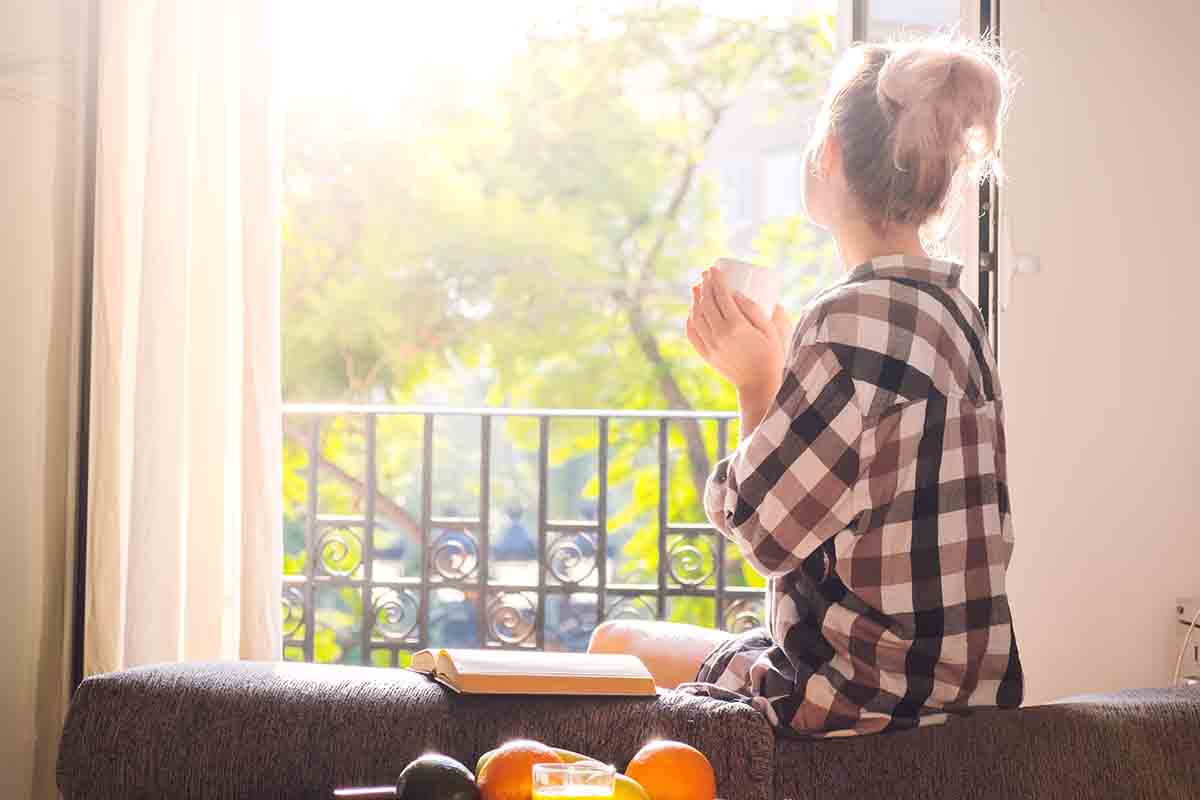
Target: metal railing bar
[[341, 581], [335, 409], [368, 543], [638, 588], [342, 519], [722, 447], [571, 526], [620, 589], [456, 522], [485, 489], [543, 509], [310, 537], [602, 518], [690, 591], [663, 500], [426, 516], [406, 584], [689, 528], [522, 645], [648, 589], [464, 586], [518, 588]]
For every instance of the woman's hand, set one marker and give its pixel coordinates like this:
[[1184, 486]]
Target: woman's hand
[[732, 333]]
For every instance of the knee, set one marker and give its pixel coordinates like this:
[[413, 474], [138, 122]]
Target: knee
[[614, 637]]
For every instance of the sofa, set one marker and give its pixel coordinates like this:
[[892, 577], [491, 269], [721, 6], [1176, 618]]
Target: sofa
[[260, 730]]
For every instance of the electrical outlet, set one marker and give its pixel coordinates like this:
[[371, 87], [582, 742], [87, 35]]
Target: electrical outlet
[[1185, 610]]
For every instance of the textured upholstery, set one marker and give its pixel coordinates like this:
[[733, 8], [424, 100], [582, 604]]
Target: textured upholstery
[[1126, 746], [239, 730]]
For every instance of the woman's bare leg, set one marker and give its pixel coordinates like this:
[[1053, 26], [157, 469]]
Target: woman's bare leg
[[672, 651]]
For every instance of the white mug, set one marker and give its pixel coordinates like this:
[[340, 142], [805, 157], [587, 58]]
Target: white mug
[[760, 284]]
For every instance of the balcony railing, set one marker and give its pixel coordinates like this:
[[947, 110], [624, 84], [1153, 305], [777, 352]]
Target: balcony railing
[[409, 527]]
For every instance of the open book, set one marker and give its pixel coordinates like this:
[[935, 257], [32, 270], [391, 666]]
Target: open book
[[522, 672]]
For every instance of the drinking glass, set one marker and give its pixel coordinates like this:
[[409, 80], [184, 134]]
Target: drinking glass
[[581, 779]]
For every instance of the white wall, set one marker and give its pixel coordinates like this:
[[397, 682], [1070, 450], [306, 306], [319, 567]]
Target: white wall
[[1100, 353], [40, 63]]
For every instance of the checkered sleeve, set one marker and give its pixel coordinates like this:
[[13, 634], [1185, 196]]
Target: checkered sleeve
[[788, 486]]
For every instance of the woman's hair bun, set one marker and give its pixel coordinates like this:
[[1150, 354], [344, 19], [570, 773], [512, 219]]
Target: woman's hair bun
[[912, 117], [946, 100]]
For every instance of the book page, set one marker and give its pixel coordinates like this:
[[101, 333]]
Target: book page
[[425, 660], [510, 662]]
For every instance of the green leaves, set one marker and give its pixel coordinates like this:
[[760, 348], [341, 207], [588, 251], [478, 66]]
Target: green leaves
[[530, 243], [515, 227]]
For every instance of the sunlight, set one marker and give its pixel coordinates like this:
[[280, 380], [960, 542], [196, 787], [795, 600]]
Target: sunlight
[[375, 52]]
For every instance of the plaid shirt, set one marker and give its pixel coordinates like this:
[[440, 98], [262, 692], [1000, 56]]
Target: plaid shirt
[[873, 495]]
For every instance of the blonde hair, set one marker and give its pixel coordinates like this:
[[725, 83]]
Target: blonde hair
[[912, 120]]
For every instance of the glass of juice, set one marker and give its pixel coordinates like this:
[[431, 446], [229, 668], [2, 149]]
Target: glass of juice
[[581, 779]]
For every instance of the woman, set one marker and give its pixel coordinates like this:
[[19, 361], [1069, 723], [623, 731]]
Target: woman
[[869, 485]]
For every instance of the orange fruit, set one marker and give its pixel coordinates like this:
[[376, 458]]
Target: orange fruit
[[508, 775], [670, 770]]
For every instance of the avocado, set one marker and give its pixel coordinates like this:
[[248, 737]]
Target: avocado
[[434, 776]]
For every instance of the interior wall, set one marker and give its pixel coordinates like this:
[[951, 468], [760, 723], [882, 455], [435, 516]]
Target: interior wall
[[41, 114], [1098, 352]]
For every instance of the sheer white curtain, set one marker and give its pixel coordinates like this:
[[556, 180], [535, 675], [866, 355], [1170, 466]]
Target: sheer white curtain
[[183, 510]]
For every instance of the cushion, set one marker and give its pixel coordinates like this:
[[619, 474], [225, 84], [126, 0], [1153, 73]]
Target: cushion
[[254, 730], [1133, 744]]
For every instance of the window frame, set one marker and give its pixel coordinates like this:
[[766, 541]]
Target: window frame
[[980, 215], [981, 256]]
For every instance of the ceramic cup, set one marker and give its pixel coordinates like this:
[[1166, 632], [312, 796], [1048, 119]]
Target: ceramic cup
[[760, 284]]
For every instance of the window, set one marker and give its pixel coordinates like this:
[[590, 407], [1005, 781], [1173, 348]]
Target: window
[[972, 237], [483, 221], [737, 192], [889, 19], [784, 181]]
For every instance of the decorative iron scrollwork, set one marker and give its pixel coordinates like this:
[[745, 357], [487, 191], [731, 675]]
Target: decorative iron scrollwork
[[454, 555], [339, 551], [633, 608], [394, 614], [569, 559], [363, 587], [512, 617], [690, 560], [743, 615], [293, 611]]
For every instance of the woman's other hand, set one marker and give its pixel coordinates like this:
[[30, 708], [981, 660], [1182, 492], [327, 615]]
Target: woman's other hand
[[732, 333]]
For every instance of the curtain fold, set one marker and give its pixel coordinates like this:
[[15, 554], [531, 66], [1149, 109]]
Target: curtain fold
[[45, 85], [184, 541]]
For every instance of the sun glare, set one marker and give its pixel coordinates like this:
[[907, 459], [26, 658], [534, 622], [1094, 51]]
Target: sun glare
[[374, 52]]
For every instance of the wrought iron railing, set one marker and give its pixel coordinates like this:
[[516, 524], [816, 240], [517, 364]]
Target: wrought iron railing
[[381, 575]]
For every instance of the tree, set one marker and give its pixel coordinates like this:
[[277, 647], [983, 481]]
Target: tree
[[541, 232]]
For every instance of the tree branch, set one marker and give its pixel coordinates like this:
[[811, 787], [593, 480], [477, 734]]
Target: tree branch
[[385, 506], [644, 335], [648, 344]]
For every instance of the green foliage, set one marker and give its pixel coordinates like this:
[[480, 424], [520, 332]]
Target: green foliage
[[535, 227], [528, 243]]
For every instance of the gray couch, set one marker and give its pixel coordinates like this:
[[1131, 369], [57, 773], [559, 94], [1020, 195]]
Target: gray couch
[[247, 730]]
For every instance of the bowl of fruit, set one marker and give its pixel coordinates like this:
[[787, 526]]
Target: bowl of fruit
[[661, 770]]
